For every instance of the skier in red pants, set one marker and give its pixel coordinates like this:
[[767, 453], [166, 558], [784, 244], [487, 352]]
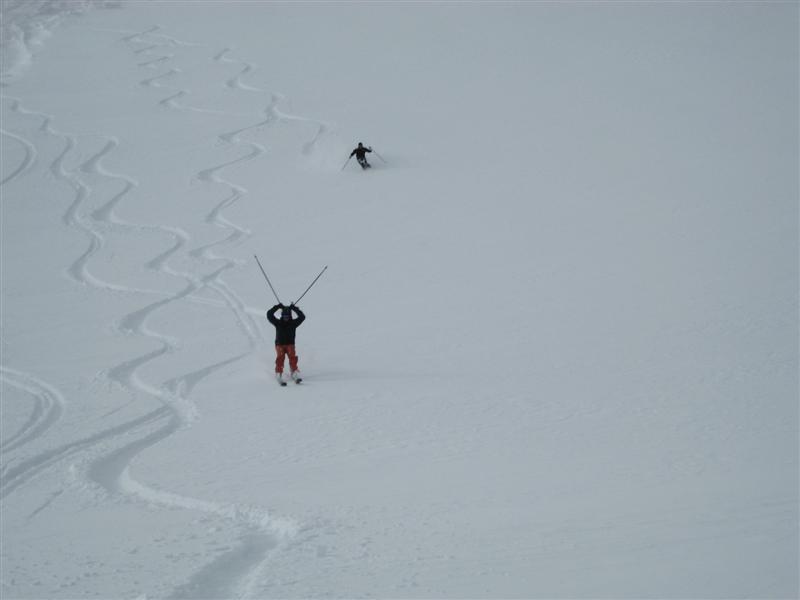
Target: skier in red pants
[[285, 328]]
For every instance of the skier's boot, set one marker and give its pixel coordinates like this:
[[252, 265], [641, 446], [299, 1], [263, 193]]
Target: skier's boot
[[296, 376], [279, 379]]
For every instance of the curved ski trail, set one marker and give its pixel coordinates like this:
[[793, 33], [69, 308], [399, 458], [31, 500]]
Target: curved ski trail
[[112, 471], [48, 406], [109, 453]]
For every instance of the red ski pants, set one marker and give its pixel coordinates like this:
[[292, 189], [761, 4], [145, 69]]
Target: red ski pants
[[283, 351]]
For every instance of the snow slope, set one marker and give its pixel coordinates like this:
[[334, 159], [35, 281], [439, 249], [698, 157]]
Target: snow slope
[[555, 351]]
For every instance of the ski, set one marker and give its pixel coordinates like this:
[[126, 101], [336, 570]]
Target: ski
[[282, 383]]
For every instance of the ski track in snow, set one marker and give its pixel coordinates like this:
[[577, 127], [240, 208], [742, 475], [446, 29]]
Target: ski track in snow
[[237, 571], [234, 572], [273, 114], [28, 160], [26, 469], [49, 402], [48, 406]]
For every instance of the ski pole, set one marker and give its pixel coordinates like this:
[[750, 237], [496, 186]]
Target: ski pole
[[345, 162], [263, 272], [379, 156], [310, 286]]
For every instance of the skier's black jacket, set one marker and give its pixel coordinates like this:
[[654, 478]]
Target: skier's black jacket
[[360, 152], [285, 330]]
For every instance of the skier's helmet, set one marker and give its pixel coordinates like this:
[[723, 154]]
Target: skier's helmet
[[360, 145], [286, 314]]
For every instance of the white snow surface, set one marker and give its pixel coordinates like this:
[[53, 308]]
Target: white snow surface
[[555, 350]]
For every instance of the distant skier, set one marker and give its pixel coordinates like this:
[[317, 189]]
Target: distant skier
[[361, 155], [285, 328]]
